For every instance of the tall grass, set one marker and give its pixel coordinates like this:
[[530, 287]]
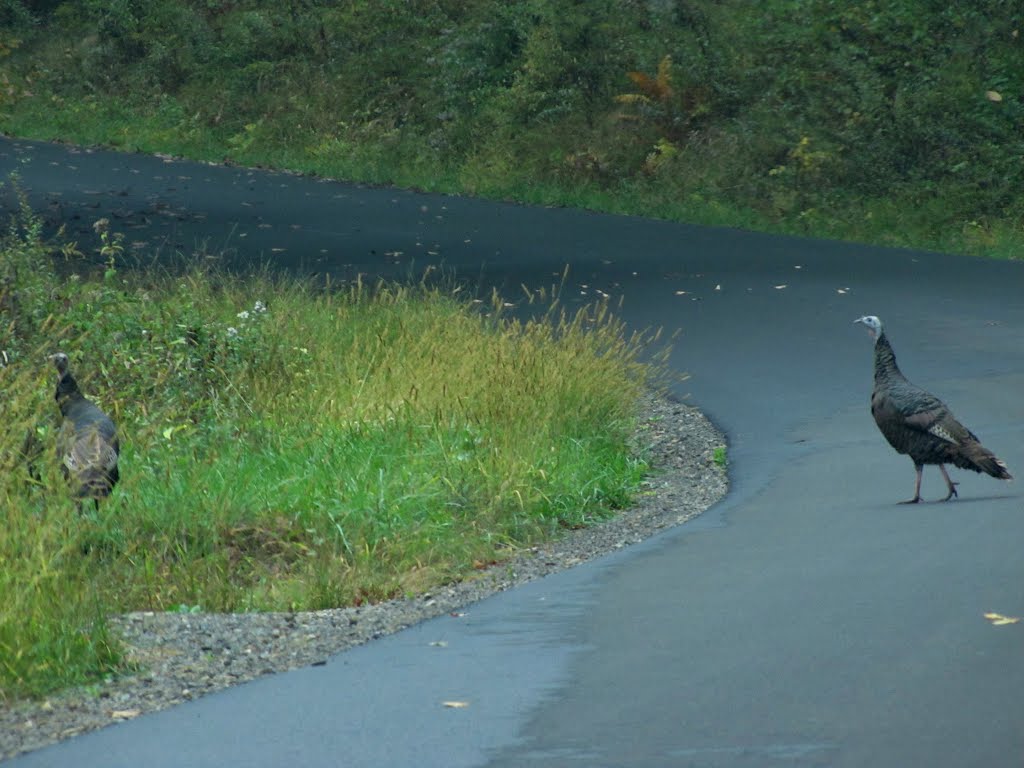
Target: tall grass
[[52, 623], [287, 447]]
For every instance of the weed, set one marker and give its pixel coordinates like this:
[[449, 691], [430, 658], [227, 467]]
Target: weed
[[720, 457]]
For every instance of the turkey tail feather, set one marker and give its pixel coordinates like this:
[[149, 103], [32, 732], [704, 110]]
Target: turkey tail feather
[[95, 483], [981, 459]]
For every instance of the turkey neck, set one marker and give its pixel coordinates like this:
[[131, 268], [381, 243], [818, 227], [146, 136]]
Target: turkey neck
[[886, 370], [68, 393]]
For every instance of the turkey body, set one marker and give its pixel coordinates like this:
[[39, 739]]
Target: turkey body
[[918, 424], [87, 444]]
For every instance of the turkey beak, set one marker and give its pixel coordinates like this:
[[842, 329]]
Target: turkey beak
[[871, 331]]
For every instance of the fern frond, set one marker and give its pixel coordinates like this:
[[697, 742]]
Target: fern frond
[[632, 98], [665, 74], [658, 88], [644, 82]]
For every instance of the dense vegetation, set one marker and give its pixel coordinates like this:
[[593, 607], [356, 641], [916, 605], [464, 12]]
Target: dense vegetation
[[285, 447], [886, 122]]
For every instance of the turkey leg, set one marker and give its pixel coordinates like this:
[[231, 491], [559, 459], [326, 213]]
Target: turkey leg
[[949, 483], [919, 468]]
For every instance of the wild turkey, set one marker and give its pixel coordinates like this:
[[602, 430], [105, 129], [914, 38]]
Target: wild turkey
[[87, 444], [917, 423]]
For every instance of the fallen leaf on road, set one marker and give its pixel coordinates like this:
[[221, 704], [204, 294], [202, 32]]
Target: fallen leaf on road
[[998, 620]]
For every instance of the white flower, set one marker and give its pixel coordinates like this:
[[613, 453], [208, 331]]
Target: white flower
[[243, 315], [259, 307], [232, 333]]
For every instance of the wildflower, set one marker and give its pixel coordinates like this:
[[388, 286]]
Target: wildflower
[[232, 332], [243, 315], [259, 308], [100, 226]]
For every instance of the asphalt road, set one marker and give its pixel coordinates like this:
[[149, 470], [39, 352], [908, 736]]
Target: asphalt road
[[807, 620]]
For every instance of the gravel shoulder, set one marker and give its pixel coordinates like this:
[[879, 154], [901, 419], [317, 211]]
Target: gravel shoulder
[[184, 656]]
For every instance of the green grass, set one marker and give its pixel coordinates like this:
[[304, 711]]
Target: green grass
[[939, 220], [53, 629], [288, 447]]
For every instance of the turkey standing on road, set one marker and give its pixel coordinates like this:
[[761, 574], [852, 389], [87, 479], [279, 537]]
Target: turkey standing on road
[[87, 444], [917, 423]]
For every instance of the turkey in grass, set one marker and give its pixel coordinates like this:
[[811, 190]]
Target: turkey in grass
[[87, 444], [917, 423]]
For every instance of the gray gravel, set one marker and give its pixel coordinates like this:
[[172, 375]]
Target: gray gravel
[[184, 656]]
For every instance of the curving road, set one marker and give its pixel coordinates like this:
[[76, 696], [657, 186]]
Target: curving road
[[807, 620]]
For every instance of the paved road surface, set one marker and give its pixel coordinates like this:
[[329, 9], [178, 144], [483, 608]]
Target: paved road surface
[[805, 621]]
